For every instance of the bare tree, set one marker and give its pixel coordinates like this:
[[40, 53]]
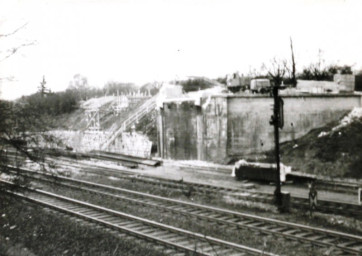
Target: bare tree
[[21, 123], [10, 52], [279, 68], [276, 70], [80, 85]]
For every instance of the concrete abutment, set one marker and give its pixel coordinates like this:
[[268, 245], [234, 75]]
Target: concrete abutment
[[224, 126]]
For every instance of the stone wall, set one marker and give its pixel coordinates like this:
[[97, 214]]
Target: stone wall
[[227, 126]]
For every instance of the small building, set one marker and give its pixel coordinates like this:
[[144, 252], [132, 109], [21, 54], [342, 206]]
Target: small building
[[346, 82]]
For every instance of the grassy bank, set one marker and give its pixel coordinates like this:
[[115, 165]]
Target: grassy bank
[[337, 154], [29, 230]]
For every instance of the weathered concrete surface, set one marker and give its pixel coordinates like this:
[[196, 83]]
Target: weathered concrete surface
[[228, 126], [189, 131], [249, 131], [213, 137], [180, 130]]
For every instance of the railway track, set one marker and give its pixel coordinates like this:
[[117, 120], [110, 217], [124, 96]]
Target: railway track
[[342, 242], [297, 202], [182, 241], [324, 184], [133, 162], [180, 185], [339, 186]]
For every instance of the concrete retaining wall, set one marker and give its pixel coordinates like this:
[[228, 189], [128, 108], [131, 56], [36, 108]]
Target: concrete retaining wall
[[227, 126], [249, 131], [179, 131]]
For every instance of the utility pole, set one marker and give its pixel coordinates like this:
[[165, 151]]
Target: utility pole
[[294, 79], [277, 120]]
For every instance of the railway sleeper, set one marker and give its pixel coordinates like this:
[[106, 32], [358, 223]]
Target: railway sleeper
[[206, 247], [158, 233], [267, 227], [291, 232], [226, 251], [329, 240], [214, 215], [247, 223], [178, 239], [134, 225], [195, 211], [280, 229], [348, 244], [225, 218], [303, 234], [85, 211], [65, 205], [102, 216], [148, 230], [257, 224], [316, 238], [233, 219], [140, 229], [178, 254], [168, 236], [359, 247], [96, 215], [74, 208], [111, 219]]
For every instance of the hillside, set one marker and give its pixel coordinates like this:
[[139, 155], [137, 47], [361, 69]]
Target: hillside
[[333, 151]]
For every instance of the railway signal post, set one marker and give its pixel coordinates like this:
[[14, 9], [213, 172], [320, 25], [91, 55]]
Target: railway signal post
[[277, 120]]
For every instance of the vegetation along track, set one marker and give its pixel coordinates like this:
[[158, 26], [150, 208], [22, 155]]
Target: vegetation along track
[[182, 241], [348, 244], [297, 202]]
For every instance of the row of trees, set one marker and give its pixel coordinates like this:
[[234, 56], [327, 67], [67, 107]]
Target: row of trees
[[285, 71], [279, 72], [315, 72], [195, 84], [53, 104], [57, 103]]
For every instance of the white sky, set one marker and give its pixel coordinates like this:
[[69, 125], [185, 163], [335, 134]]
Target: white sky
[[143, 41]]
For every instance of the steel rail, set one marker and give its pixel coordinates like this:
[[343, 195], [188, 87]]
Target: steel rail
[[318, 236], [166, 235], [298, 202], [246, 194]]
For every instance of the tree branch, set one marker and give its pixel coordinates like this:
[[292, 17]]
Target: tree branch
[[15, 49], [14, 32]]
